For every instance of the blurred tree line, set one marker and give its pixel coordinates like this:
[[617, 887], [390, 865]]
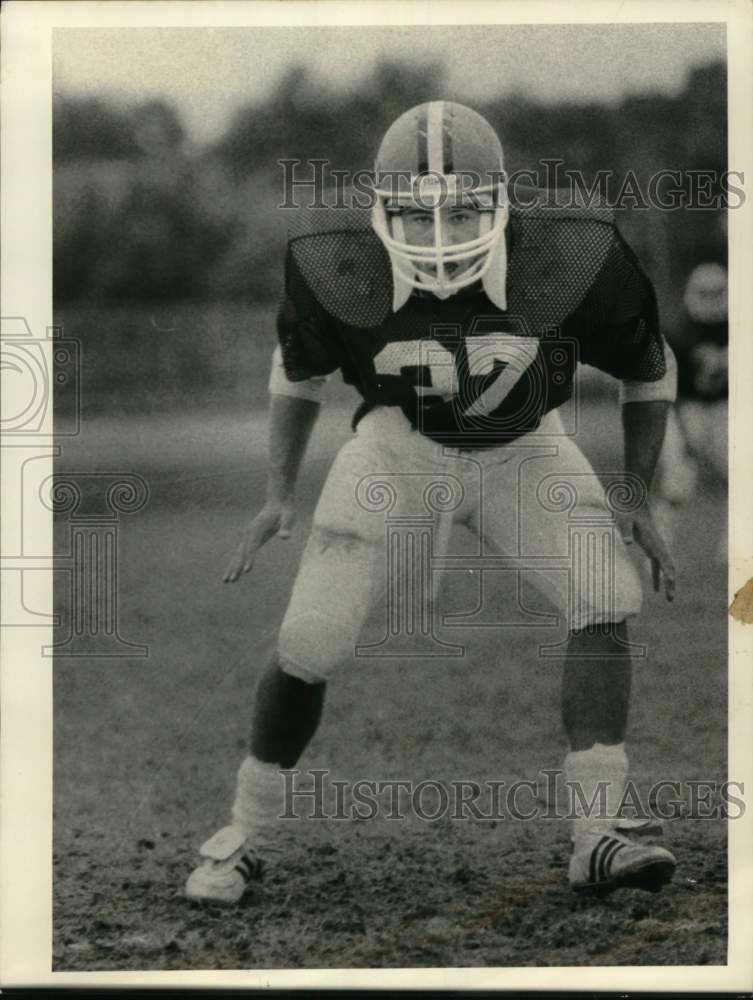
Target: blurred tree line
[[141, 217]]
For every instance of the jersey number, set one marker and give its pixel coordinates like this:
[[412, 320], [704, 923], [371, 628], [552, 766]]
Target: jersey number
[[517, 354]]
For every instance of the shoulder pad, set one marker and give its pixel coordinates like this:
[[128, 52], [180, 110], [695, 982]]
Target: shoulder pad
[[343, 263], [559, 252]]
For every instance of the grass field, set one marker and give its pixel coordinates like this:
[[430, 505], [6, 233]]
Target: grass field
[[146, 750]]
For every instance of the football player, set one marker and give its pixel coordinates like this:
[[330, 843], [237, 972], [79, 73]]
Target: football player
[[697, 427], [460, 316]]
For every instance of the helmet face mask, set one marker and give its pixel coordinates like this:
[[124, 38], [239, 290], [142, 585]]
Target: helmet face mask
[[451, 159]]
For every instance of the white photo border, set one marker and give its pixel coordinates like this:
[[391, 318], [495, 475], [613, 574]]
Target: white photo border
[[26, 825]]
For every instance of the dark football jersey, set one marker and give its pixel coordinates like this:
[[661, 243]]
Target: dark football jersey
[[702, 361], [464, 372]]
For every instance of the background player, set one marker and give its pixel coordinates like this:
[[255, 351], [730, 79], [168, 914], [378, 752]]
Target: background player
[[695, 446]]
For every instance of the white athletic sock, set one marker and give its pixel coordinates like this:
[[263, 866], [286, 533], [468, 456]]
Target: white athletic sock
[[587, 768], [258, 800]]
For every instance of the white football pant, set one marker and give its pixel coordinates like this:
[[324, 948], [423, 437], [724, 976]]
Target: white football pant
[[536, 501]]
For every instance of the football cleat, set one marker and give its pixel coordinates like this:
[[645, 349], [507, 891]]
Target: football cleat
[[604, 860], [230, 865]]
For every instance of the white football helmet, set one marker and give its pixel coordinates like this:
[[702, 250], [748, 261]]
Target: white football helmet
[[440, 154], [706, 294]]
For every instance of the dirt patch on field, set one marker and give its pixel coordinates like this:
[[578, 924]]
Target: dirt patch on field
[[368, 900]]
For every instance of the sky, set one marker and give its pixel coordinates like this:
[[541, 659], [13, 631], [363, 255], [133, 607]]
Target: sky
[[211, 72]]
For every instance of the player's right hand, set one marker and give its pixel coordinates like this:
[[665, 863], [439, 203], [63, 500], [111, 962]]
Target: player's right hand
[[641, 527], [275, 518]]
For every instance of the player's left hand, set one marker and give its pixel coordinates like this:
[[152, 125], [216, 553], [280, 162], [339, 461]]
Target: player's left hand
[[639, 526]]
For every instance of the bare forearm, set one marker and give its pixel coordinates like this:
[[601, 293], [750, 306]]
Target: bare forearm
[[291, 421], [644, 425]]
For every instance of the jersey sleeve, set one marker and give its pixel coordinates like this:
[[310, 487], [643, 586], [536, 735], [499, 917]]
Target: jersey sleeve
[[628, 343], [308, 344], [280, 385]]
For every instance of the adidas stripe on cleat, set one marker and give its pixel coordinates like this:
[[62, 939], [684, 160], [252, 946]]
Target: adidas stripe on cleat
[[604, 861], [229, 867]]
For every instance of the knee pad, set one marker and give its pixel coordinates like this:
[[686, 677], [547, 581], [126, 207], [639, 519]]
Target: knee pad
[[607, 599], [311, 646], [331, 599]]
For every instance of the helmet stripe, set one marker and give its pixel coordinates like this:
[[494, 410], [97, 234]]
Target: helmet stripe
[[447, 165], [436, 157], [421, 132]]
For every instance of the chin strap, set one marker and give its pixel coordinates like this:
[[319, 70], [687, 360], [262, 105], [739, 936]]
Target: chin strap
[[495, 279], [401, 287]]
